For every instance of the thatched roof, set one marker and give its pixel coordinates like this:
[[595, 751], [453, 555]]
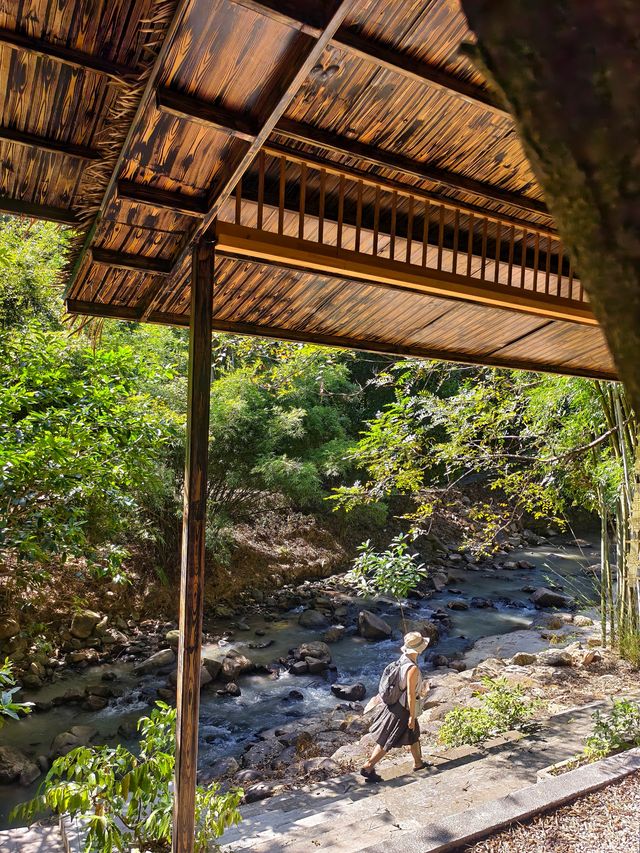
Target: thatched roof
[[362, 184]]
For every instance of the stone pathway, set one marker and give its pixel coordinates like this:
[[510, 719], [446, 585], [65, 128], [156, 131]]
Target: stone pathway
[[38, 839], [346, 815]]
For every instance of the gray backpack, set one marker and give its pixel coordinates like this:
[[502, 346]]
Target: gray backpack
[[391, 689]]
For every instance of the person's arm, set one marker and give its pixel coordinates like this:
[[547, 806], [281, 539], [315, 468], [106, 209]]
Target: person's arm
[[412, 690]]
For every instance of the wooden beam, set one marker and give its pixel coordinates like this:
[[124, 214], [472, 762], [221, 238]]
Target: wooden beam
[[135, 263], [380, 55], [45, 143], [193, 547], [68, 56], [310, 135], [194, 110], [34, 210], [155, 197], [283, 333], [383, 347], [209, 115], [293, 253]]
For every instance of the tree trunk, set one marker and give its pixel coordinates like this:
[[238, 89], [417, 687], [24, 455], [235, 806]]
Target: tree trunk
[[569, 71]]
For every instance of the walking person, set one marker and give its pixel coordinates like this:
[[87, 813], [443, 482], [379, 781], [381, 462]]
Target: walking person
[[395, 721]]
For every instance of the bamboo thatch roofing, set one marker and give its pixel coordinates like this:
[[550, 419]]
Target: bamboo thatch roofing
[[362, 185]]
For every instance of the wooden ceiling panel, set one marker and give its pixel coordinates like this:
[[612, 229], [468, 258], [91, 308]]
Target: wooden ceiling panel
[[175, 155], [230, 55], [431, 30]]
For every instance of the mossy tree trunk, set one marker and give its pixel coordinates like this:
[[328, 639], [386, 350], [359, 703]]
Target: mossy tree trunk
[[569, 71]]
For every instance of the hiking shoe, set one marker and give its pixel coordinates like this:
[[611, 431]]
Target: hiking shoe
[[370, 775]]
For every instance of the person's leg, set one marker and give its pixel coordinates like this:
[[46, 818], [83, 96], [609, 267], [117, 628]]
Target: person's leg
[[416, 752], [377, 754]]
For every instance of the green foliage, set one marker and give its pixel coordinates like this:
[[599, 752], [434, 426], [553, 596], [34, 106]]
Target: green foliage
[[31, 258], [394, 571], [9, 708], [616, 731], [79, 447], [502, 707], [125, 800]]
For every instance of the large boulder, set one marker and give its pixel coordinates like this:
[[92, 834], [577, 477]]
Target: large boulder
[[66, 741], [83, 623], [15, 765], [312, 619], [263, 753], [372, 627], [234, 665], [544, 597], [159, 660], [349, 692], [555, 657], [333, 634], [212, 662], [8, 628], [315, 649], [425, 627]]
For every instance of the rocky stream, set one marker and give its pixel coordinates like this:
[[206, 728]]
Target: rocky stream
[[295, 663]]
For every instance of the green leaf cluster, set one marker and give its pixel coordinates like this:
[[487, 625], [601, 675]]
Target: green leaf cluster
[[394, 571], [8, 688], [501, 707], [615, 731], [125, 801]]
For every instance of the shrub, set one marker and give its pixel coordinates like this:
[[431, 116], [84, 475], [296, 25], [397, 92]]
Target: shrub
[[9, 708], [616, 731], [503, 707], [125, 801], [393, 571]]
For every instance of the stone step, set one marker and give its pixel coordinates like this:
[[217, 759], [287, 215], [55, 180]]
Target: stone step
[[34, 839]]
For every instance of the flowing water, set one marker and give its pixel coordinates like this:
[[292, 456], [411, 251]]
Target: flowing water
[[229, 724]]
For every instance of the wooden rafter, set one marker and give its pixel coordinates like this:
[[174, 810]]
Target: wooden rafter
[[34, 210], [47, 143], [283, 333], [286, 93], [192, 109], [68, 56], [136, 263], [156, 197], [380, 55]]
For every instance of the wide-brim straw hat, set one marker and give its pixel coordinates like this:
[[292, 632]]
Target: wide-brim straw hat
[[414, 642]]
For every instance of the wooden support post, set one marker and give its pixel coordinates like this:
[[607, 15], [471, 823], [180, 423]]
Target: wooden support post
[[193, 540]]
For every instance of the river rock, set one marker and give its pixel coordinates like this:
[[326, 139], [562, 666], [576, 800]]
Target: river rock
[[425, 627], [555, 657], [349, 692], [84, 657], [582, 621], [439, 581], [234, 665], [172, 637], [316, 666], [315, 649], [66, 741], [261, 791], [334, 634], [263, 753], [372, 627], [8, 628], [212, 662], [458, 604], [524, 659], [16, 765], [95, 703], [477, 601], [83, 623], [544, 597], [159, 660], [320, 765], [300, 667], [312, 619], [225, 766]]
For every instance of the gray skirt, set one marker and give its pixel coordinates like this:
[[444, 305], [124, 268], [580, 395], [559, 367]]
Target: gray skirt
[[390, 727]]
